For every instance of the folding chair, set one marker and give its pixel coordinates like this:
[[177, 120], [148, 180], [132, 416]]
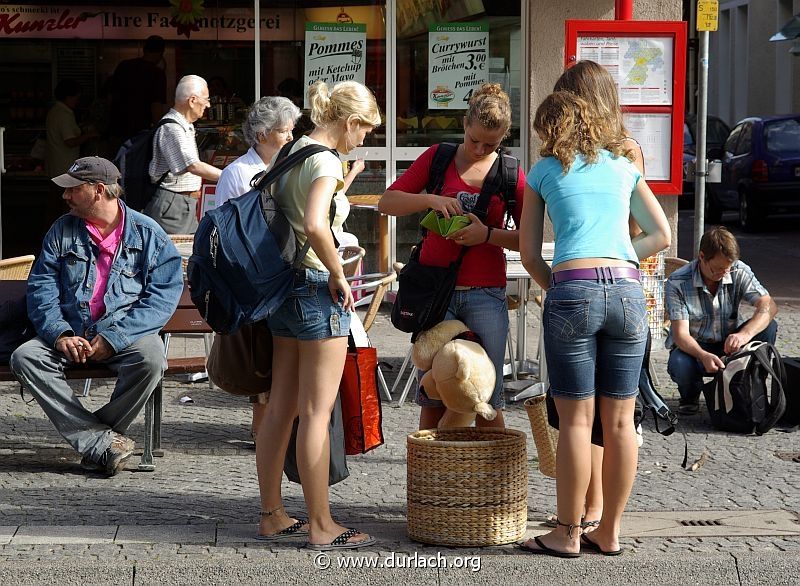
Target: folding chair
[[378, 283]]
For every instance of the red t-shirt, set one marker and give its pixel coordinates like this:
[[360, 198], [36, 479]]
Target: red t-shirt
[[484, 265]]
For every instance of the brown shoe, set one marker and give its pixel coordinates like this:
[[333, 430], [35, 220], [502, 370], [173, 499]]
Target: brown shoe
[[117, 454]]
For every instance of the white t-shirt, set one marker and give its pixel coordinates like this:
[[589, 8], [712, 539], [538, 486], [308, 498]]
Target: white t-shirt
[[291, 194], [236, 177], [61, 126]]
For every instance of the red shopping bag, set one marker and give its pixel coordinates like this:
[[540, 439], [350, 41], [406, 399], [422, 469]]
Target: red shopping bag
[[361, 405]]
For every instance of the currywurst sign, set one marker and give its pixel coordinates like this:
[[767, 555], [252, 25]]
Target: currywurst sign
[[458, 62], [335, 52]]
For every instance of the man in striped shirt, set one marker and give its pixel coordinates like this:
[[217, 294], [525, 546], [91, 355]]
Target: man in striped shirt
[[176, 166], [703, 300]]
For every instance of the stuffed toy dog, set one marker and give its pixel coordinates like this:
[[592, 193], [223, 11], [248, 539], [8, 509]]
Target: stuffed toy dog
[[459, 373]]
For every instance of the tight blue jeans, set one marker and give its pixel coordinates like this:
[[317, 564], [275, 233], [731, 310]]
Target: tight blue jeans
[[595, 333]]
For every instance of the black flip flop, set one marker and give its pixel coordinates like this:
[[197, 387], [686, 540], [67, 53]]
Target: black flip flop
[[592, 546], [544, 550], [343, 542]]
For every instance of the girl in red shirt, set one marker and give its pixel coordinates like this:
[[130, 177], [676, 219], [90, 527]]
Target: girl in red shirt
[[480, 296]]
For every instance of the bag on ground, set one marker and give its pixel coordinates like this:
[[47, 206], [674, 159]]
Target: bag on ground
[[792, 390], [245, 252], [748, 394], [133, 161]]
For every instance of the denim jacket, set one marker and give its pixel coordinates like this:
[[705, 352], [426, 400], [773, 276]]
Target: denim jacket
[[144, 285]]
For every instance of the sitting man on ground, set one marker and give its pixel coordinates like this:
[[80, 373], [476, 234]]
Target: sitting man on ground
[[176, 166], [107, 280], [702, 300]]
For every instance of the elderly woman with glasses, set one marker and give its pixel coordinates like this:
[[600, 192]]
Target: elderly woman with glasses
[[268, 127]]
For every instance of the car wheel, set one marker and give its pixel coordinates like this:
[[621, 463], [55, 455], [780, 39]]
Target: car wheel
[[750, 217], [713, 211]]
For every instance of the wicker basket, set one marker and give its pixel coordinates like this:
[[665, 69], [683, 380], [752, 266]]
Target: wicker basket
[[544, 436], [467, 486]]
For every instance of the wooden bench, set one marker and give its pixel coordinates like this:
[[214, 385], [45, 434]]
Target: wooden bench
[[185, 320]]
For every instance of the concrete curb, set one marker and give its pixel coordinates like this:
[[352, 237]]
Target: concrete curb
[[294, 568]]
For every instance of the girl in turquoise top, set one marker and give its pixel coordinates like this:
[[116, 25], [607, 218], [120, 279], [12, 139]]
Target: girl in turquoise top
[[595, 315], [592, 82]]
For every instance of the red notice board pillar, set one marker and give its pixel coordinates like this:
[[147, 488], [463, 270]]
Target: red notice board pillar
[[648, 61]]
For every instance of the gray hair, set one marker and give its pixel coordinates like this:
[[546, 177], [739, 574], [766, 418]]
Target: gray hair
[[188, 86], [267, 114], [113, 190]]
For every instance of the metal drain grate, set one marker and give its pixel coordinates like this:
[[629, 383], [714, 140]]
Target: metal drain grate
[[788, 456], [702, 523]]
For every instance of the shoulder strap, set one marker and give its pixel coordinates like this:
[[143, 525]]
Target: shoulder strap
[[769, 359], [445, 153], [284, 162], [158, 125], [501, 179], [650, 397]]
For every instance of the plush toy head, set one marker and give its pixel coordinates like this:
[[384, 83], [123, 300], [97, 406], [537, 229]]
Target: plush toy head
[[459, 373]]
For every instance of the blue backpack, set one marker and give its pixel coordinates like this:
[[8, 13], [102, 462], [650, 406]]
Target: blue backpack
[[245, 252]]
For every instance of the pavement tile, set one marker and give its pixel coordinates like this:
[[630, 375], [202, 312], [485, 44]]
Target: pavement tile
[[237, 533], [197, 534], [6, 533], [65, 534]]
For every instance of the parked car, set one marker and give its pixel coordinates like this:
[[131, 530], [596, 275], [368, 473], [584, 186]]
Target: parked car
[[760, 170], [716, 133]]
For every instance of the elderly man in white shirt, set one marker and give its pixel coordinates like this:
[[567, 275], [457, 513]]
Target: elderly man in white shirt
[[176, 166]]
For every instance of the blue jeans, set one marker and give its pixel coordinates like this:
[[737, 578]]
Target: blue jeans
[[688, 372], [139, 367], [309, 313], [483, 310], [595, 335]]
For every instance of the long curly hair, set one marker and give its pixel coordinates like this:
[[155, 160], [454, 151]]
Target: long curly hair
[[592, 82], [568, 126]]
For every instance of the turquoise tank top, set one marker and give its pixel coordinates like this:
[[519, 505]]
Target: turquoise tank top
[[589, 206]]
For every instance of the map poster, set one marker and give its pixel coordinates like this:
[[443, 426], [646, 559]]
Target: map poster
[[654, 133], [641, 66], [334, 52], [458, 62]]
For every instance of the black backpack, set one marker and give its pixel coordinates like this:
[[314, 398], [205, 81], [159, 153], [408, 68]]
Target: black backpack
[[133, 161], [245, 252], [739, 398], [502, 178]]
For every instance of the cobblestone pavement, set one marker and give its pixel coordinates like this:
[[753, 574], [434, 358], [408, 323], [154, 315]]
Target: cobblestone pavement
[[204, 494]]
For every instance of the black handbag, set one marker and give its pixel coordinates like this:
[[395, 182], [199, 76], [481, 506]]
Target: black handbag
[[423, 293]]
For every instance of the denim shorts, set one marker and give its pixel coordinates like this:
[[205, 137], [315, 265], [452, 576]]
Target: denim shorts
[[595, 335], [483, 310], [309, 313]]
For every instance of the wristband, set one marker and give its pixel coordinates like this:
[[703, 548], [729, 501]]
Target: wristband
[[488, 234]]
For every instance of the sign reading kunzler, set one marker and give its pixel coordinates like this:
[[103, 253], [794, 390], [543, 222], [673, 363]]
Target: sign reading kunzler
[[458, 63], [335, 52], [20, 21]]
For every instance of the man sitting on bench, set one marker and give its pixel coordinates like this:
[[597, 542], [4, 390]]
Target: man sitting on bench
[[107, 280]]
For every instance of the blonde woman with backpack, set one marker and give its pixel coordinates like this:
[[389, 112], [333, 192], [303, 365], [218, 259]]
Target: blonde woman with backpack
[[310, 328]]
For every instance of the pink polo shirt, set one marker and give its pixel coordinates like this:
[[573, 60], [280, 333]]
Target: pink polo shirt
[[108, 249]]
